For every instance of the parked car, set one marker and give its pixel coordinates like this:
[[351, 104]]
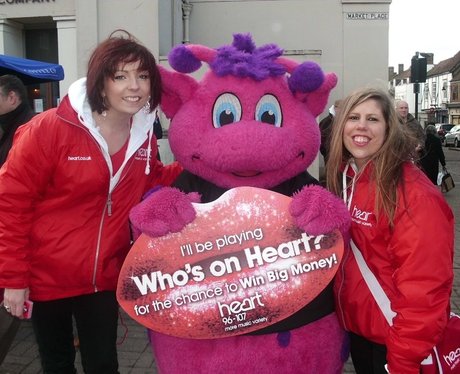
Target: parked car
[[453, 137], [443, 129]]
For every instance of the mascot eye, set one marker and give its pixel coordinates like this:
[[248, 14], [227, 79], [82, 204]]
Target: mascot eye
[[268, 110], [227, 109]]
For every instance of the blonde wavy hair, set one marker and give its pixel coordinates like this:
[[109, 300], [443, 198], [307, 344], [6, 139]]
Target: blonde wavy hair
[[387, 162]]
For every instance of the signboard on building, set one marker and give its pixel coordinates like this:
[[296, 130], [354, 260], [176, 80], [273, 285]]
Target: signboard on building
[[12, 2], [367, 16]]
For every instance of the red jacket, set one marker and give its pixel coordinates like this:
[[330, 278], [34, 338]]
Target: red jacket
[[413, 263], [62, 232]]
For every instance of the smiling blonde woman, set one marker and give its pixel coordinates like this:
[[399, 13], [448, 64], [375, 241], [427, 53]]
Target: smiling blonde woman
[[397, 215]]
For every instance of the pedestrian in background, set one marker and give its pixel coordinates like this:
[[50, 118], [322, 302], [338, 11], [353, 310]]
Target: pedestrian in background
[[325, 127], [410, 123], [15, 110], [402, 229], [72, 176], [158, 131], [433, 155]]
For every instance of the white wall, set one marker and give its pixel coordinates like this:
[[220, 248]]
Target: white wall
[[11, 39], [355, 49]]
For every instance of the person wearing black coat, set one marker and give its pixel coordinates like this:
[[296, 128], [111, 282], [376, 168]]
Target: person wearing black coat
[[325, 127], [14, 111], [433, 155], [158, 131]]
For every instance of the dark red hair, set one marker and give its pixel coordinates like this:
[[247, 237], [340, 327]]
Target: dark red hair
[[119, 47]]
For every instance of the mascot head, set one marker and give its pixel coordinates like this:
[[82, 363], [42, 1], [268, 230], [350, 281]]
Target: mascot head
[[251, 120]]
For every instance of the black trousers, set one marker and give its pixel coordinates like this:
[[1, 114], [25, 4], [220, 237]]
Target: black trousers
[[368, 357], [96, 318]]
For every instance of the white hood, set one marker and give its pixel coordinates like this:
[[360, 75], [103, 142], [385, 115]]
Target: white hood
[[141, 129]]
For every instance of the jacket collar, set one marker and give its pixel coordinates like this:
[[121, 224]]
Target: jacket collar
[[75, 109]]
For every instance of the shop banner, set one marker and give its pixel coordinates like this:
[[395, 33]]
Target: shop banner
[[31, 71]]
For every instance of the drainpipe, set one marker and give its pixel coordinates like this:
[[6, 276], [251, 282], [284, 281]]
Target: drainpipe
[[186, 10]]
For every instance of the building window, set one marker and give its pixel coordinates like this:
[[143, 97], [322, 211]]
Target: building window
[[454, 92], [444, 90], [434, 94]]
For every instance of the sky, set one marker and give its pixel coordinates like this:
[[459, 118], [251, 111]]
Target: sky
[[423, 26]]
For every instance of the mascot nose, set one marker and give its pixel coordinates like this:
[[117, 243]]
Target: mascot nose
[[250, 135]]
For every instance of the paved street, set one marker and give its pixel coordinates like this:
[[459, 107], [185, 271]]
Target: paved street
[[134, 352]]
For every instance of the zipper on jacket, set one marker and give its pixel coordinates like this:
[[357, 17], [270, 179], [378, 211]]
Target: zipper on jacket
[[109, 204], [340, 288], [98, 245]]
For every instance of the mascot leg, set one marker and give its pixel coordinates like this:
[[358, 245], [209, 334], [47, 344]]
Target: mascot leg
[[319, 347]]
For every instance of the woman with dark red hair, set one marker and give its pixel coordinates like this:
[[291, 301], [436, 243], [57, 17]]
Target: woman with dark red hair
[[73, 174]]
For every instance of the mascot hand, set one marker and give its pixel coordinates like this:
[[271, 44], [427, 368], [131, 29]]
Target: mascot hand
[[317, 211], [166, 210]]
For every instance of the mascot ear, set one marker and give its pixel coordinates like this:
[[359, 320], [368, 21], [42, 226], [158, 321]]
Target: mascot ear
[[177, 89], [317, 100]]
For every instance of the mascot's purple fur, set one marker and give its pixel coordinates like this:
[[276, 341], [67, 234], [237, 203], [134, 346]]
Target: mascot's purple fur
[[249, 122]]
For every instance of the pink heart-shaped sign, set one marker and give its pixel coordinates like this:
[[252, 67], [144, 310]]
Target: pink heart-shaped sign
[[241, 265]]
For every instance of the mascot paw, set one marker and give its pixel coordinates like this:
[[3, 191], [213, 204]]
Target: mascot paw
[[317, 211], [166, 210]]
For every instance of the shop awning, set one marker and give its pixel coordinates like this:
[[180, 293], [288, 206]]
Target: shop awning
[[31, 71]]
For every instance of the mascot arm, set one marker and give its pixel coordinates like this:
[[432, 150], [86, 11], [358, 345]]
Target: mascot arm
[[317, 211], [164, 211]]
